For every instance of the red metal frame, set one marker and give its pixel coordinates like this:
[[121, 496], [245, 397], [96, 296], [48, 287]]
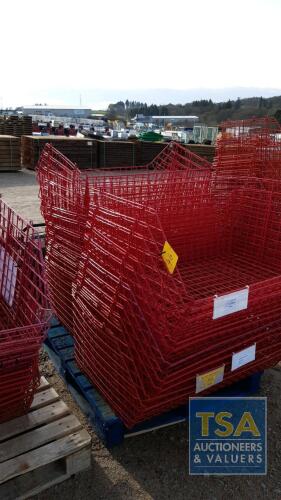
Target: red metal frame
[[66, 194], [23, 312], [141, 334], [250, 148]]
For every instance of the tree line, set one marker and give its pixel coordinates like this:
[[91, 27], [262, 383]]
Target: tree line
[[208, 111]]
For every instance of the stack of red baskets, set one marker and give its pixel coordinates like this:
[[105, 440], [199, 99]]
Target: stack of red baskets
[[146, 337], [249, 147], [149, 336], [23, 313], [61, 201], [66, 194]]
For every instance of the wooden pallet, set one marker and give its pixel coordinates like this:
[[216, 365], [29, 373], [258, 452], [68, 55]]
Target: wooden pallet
[[80, 150], [42, 448], [10, 153]]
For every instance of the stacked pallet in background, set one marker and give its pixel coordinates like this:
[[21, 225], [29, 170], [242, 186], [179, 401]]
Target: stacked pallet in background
[[10, 153], [149, 150], [118, 154], [15, 125], [82, 151], [90, 153], [113, 154], [204, 150]]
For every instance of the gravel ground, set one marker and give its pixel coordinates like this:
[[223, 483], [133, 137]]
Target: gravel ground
[[155, 465], [20, 191]]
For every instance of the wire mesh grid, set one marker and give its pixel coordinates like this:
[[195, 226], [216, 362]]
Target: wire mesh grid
[[139, 312], [23, 312], [250, 148], [66, 194], [143, 335]]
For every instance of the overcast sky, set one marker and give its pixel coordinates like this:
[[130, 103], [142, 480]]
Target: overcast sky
[[52, 51]]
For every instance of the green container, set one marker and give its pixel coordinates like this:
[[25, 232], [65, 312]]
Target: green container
[[150, 136]]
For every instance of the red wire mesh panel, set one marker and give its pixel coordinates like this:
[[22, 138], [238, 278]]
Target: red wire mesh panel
[[66, 194], [142, 335], [249, 148], [61, 203], [176, 157], [23, 312]]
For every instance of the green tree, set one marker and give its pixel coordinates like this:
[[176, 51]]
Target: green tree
[[228, 104], [237, 103], [277, 115]]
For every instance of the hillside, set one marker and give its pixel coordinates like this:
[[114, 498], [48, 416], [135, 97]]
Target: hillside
[[209, 112]]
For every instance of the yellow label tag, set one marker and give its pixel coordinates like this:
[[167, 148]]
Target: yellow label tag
[[208, 379], [170, 257]]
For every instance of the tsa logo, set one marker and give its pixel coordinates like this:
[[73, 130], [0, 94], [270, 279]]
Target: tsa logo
[[227, 436]]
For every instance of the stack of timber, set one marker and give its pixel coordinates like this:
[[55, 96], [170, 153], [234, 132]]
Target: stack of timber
[[15, 125], [151, 149], [117, 154], [43, 448], [113, 154], [10, 153], [204, 150], [92, 153], [148, 151], [82, 151]]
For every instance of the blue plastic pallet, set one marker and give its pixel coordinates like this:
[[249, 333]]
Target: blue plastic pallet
[[60, 347]]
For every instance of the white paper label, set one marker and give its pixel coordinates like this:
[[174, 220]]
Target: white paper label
[[243, 357], [89, 143], [230, 303], [8, 276]]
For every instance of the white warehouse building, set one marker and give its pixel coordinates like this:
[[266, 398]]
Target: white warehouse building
[[45, 110]]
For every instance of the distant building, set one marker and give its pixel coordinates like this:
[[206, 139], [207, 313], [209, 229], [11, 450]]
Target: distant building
[[188, 120], [69, 111]]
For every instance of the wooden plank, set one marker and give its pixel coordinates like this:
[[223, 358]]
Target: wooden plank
[[81, 460], [44, 398], [38, 480], [33, 419], [12, 169], [42, 448], [34, 482], [44, 384], [45, 455], [38, 437]]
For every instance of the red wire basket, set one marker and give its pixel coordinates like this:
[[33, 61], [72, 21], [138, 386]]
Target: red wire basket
[[149, 338], [143, 335], [23, 312], [66, 194], [250, 148]]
